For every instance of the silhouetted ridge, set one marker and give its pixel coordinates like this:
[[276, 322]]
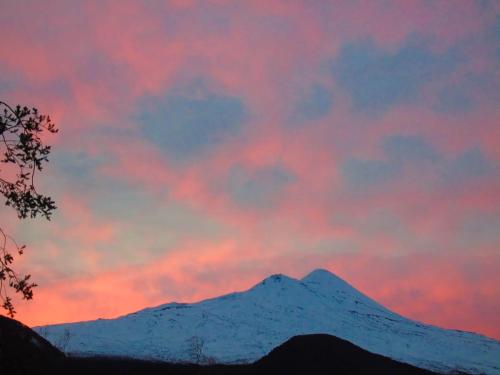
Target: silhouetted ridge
[[309, 354], [23, 351], [326, 354]]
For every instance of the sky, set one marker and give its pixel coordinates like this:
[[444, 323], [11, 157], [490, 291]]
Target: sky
[[205, 145]]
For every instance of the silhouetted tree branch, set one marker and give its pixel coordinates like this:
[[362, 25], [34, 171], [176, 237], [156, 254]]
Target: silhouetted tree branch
[[23, 154]]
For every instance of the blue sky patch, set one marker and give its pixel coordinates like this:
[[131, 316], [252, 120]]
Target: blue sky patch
[[259, 188], [360, 174], [185, 127], [468, 166], [377, 79], [313, 104], [77, 167], [408, 148], [399, 150], [453, 99], [402, 151]]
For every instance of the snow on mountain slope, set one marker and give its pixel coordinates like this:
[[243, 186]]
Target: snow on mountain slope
[[244, 326]]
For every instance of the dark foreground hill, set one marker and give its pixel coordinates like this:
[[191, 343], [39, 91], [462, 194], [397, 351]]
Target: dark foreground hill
[[22, 351], [309, 354], [326, 354]]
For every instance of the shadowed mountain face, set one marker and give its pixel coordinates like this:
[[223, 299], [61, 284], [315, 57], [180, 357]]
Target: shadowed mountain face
[[23, 351], [325, 354], [243, 327]]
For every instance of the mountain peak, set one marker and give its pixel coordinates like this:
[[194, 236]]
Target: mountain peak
[[244, 326], [278, 278], [276, 282], [326, 280], [320, 271], [321, 274]]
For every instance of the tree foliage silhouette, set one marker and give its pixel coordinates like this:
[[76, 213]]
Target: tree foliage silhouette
[[23, 154]]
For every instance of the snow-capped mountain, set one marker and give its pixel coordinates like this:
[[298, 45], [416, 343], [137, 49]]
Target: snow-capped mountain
[[244, 326]]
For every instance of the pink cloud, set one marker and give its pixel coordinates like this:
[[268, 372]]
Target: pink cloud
[[110, 56]]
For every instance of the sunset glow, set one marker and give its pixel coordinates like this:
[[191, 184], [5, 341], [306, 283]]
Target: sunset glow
[[206, 145]]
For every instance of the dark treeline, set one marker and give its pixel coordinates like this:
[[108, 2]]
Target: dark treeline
[[309, 354], [23, 351]]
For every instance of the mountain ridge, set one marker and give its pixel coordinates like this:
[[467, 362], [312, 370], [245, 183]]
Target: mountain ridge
[[243, 326]]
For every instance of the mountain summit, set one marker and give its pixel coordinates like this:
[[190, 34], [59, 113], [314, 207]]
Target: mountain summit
[[321, 274], [244, 326]]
